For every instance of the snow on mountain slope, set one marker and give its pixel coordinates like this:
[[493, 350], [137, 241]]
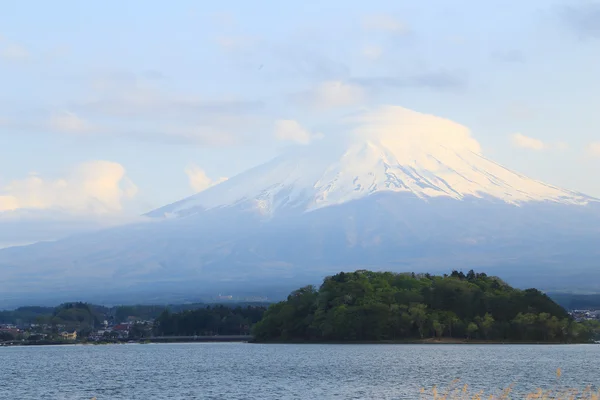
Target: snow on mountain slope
[[388, 150]]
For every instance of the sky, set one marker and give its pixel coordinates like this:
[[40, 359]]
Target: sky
[[111, 109]]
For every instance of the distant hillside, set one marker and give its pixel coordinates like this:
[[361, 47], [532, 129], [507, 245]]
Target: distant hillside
[[577, 301]]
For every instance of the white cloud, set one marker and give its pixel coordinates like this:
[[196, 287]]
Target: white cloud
[[411, 132], [69, 122], [383, 22], [333, 94], [372, 52], [13, 52], [291, 130], [198, 179], [594, 149], [95, 187], [526, 142]]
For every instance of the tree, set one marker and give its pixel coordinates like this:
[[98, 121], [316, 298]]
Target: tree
[[486, 324], [438, 328], [451, 320], [418, 313], [471, 330]]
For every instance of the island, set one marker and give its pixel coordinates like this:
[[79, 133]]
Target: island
[[366, 306]]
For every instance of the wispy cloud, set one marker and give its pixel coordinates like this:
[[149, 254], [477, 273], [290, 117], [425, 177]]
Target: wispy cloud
[[509, 56], [384, 22], [291, 130], [295, 61], [436, 80], [583, 18], [593, 149], [526, 142], [128, 95], [232, 43], [144, 107], [68, 122], [198, 179], [331, 94], [372, 52], [13, 52]]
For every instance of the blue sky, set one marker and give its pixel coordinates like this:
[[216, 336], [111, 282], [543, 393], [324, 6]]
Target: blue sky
[[121, 107]]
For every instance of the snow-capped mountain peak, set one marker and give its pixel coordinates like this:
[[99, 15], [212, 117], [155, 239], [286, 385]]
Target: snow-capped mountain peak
[[390, 150]]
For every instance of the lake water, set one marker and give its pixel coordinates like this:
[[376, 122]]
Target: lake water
[[252, 371]]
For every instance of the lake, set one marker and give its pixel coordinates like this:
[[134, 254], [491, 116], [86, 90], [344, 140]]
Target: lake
[[255, 371]]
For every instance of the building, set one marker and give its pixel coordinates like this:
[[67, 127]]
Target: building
[[69, 336]]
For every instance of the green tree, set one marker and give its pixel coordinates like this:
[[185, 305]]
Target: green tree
[[418, 313], [472, 328]]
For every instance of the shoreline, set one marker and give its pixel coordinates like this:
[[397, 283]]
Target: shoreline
[[422, 341], [250, 340]]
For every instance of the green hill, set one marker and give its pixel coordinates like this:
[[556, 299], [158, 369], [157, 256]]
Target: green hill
[[378, 306]]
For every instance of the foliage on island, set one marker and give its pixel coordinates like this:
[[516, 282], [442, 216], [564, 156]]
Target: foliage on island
[[377, 306]]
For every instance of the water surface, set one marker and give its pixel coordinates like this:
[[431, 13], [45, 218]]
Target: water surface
[[252, 371]]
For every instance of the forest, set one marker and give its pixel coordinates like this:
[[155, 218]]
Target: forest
[[380, 306], [208, 321], [63, 314]]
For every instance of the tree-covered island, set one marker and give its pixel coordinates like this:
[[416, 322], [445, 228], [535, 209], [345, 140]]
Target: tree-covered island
[[365, 306]]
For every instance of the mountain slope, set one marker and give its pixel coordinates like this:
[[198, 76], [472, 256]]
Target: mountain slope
[[436, 158], [402, 191]]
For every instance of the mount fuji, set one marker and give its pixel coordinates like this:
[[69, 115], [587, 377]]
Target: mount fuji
[[402, 191]]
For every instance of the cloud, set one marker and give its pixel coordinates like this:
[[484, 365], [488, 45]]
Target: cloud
[[411, 133], [372, 52], [96, 187], [13, 52], [435, 80], [300, 60], [332, 94], [128, 95], [232, 43], [69, 122], [526, 142], [290, 130], [198, 179], [521, 111], [594, 149], [143, 107], [583, 18], [385, 23], [510, 56]]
